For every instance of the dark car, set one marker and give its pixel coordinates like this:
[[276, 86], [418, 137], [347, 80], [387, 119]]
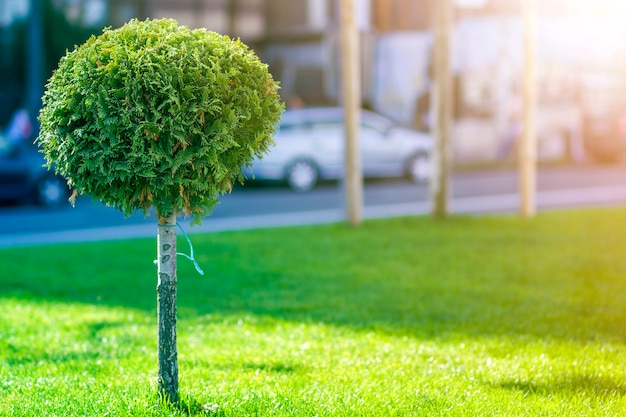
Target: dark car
[[23, 176]]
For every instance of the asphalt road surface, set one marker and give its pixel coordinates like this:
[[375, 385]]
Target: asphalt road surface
[[476, 191]]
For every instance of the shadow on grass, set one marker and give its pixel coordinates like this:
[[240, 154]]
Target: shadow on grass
[[22, 351], [569, 385], [190, 406], [277, 368], [556, 277]]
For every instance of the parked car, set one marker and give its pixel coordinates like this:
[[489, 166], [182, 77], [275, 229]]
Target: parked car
[[23, 176], [310, 147]]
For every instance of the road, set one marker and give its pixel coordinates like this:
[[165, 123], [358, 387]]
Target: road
[[478, 191]]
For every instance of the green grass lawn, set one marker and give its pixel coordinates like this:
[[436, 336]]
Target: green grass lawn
[[471, 316]]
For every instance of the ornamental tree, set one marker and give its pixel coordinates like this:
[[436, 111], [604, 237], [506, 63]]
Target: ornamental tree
[[154, 115]]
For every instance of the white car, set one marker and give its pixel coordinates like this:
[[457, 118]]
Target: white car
[[310, 147]]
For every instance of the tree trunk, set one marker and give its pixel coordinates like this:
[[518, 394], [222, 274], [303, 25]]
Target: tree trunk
[[166, 307]]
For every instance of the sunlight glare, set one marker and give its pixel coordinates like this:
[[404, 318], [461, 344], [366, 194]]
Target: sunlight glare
[[590, 7], [594, 28]]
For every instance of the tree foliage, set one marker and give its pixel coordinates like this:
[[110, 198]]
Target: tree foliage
[[154, 114]]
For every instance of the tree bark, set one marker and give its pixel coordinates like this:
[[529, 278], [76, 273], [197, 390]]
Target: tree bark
[[166, 307]]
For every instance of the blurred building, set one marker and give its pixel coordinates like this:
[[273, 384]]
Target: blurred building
[[300, 41]]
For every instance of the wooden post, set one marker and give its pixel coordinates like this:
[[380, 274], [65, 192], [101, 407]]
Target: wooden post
[[527, 152], [351, 79], [166, 307], [442, 96], [231, 10], [35, 52]]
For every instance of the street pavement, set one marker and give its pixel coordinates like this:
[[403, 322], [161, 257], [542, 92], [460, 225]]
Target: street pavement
[[496, 203]]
